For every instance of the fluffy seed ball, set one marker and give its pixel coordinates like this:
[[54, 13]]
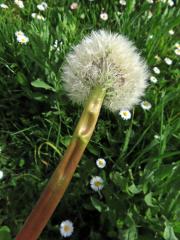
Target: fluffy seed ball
[[109, 60]]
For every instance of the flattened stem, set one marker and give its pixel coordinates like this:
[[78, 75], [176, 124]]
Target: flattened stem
[[62, 175]]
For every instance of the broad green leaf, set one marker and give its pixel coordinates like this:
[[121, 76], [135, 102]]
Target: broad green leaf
[[133, 189], [148, 199], [5, 233], [119, 181], [100, 206], [169, 232], [41, 84]]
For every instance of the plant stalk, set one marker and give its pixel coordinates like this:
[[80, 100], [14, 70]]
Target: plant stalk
[[62, 175]]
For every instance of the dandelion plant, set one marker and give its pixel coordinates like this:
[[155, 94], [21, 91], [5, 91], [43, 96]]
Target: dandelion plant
[[104, 69]]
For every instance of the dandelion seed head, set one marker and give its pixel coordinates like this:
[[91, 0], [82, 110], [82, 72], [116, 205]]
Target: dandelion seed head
[[111, 61]]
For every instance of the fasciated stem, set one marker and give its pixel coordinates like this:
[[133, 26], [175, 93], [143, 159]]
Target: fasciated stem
[[61, 177]]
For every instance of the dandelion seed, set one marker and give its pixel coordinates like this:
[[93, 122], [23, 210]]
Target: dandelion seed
[[19, 3], [1, 174], [110, 61], [156, 70], [153, 79], [177, 51], [171, 32], [2, 5], [74, 6], [42, 6], [122, 2], [146, 105], [101, 163], [168, 61], [170, 3], [125, 114], [66, 228], [97, 183], [104, 16]]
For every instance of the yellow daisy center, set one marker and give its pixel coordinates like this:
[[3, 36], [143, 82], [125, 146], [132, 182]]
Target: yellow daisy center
[[125, 114], [23, 40], [100, 162], [146, 104], [97, 184], [67, 228]]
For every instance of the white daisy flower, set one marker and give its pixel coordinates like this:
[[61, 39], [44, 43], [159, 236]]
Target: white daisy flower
[[156, 136], [74, 6], [42, 6], [104, 16], [150, 36], [22, 39], [157, 58], [66, 228], [19, 33], [1, 174], [177, 45], [177, 51], [101, 163], [150, 1], [168, 61], [40, 17], [146, 105], [156, 70], [33, 15], [170, 3], [153, 79], [125, 114], [149, 14], [2, 5], [122, 2], [19, 3], [97, 183], [171, 32]]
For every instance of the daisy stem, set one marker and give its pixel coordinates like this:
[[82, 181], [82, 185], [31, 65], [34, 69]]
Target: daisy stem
[[62, 175]]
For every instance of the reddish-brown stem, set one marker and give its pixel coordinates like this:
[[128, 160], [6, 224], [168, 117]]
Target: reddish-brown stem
[[61, 177]]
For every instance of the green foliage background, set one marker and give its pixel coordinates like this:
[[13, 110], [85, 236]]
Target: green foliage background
[[141, 194]]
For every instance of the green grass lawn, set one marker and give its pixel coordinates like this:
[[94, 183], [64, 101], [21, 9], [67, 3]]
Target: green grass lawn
[[141, 194]]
